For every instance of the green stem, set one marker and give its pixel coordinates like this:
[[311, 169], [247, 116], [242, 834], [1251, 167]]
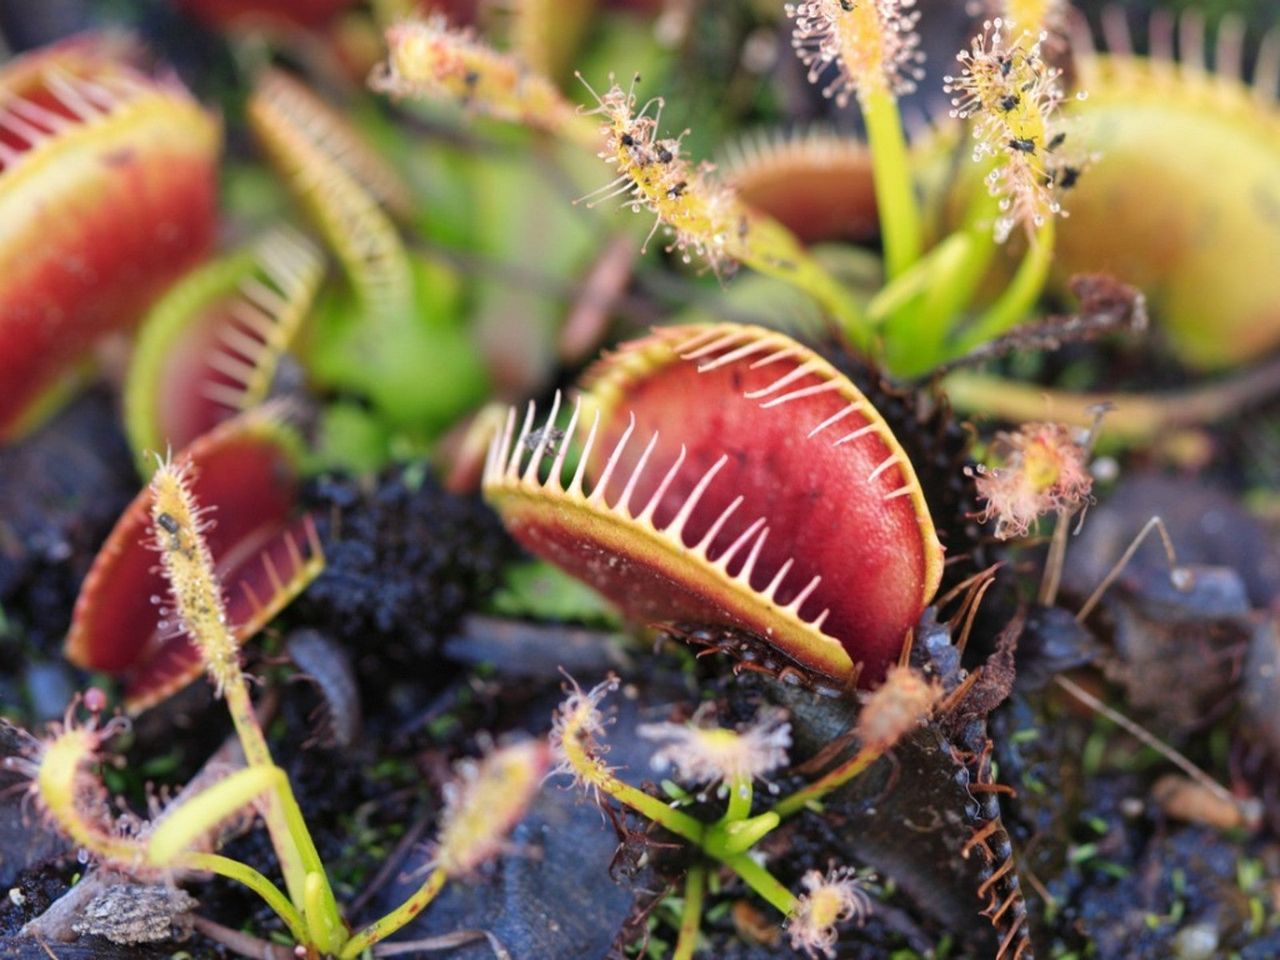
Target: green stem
[[691, 917], [251, 878], [328, 932], [957, 266], [739, 801], [763, 882], [912, 343], [946, 300], [199, 815], [256, 753], [290, 837], [837, 777], [382, 928], [728, 838], [681, 824], [895, 193], [770, 248], [950, 290], [322, 913], [1019, 297], [907, 286]]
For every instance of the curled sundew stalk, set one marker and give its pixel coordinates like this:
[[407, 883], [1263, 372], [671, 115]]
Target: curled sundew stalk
[[577, 748], [73, 797], [706, 217], [485, 800], [428, 58], [874, 49], [197, 598]]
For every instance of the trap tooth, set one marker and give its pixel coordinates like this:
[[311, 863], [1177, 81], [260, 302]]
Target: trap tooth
[[711, 489]]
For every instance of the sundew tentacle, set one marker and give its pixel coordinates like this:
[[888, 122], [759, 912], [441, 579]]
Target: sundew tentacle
[[872, 45], [1011, 95], [705, 217]]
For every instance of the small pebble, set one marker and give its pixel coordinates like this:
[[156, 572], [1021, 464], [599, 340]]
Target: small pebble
[[1199, 941]]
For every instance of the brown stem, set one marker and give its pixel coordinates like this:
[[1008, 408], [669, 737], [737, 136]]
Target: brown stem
[[241, 943], [1135, 417], [1149, 739]]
